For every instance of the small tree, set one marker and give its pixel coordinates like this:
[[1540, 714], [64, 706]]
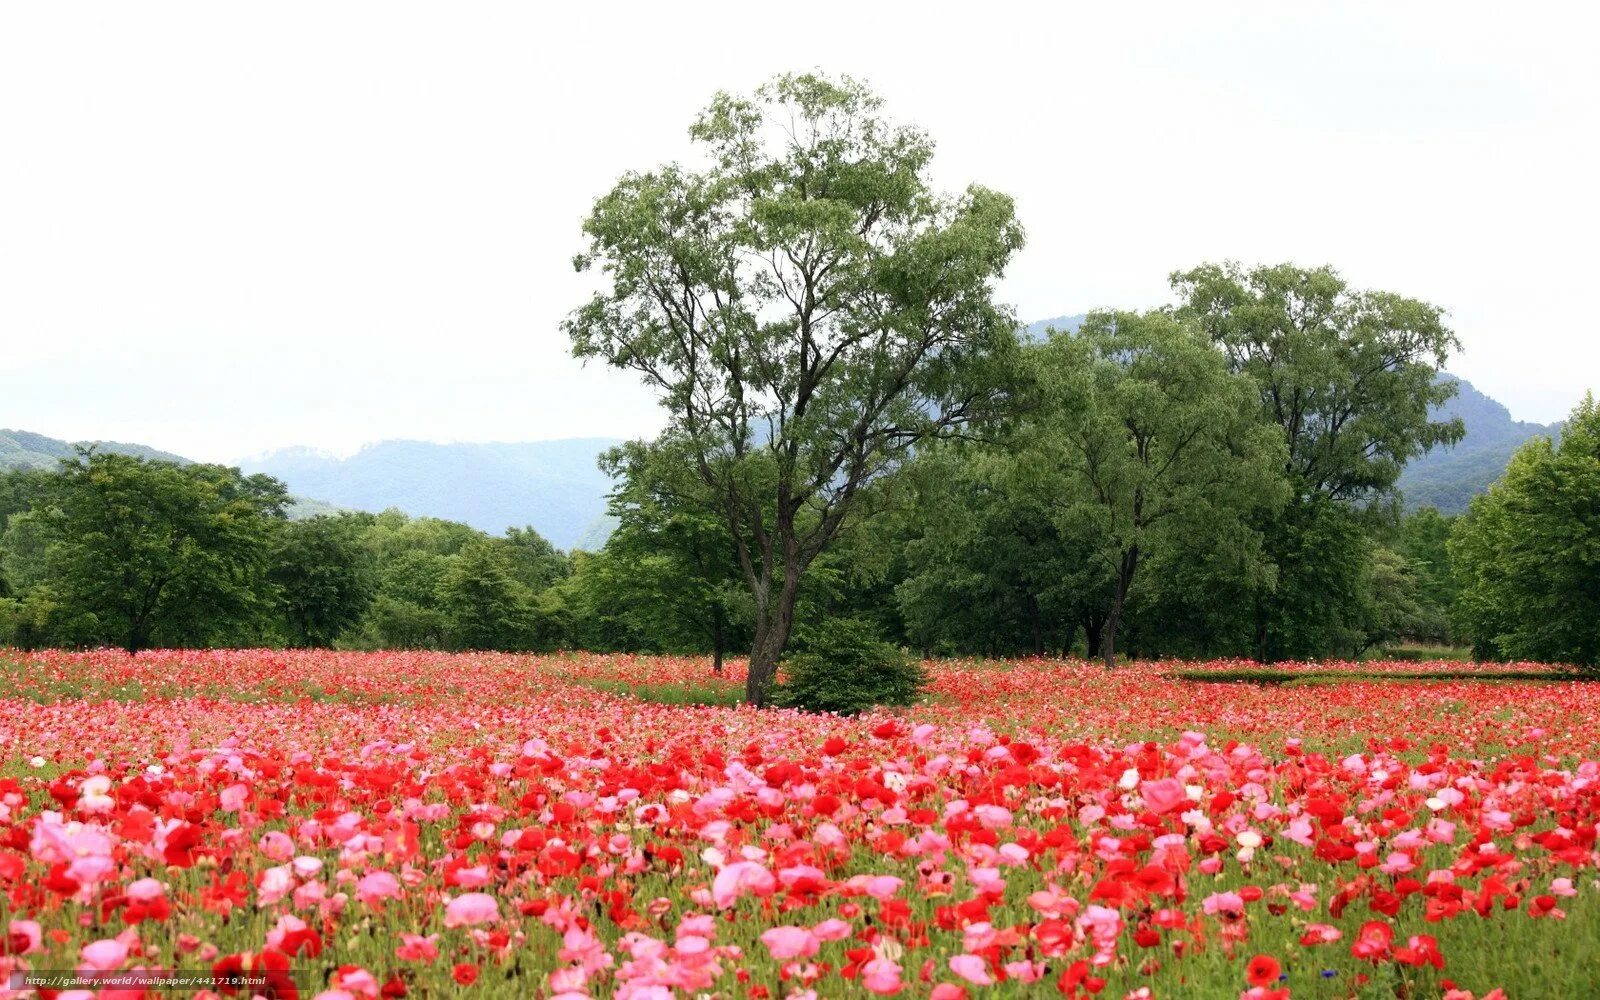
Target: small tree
[[486, 606], [808, 309], [843, 665], [678, 569], [324, 575]]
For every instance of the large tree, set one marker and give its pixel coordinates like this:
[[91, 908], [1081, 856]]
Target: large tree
[[1149, 439], [1527, 553], [808, 309], [153, 551], [1350, 378]]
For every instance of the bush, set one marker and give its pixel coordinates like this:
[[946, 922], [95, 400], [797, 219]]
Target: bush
[[843, 665]]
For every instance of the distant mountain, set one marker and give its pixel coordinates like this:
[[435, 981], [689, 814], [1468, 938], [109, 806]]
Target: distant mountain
[[555, 486], [27, 450], [1038, 328], [1448, 478]]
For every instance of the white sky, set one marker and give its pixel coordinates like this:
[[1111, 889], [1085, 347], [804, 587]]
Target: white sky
[[229, 227]]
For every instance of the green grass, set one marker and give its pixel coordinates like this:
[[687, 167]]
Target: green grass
[[1418, 653], [723, 694]]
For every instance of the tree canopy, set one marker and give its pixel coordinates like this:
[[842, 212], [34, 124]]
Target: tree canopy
[[1527, 553]]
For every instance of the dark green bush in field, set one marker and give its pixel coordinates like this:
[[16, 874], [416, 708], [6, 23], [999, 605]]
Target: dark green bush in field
[[843, 665]]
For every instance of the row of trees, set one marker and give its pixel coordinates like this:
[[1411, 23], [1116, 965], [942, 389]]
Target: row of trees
[[115, 550], [996, 548]]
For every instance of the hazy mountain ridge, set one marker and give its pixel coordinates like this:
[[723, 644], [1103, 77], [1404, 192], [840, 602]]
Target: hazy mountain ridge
[[1448, 478], [1039, 327], [28, 450], [556, 486]]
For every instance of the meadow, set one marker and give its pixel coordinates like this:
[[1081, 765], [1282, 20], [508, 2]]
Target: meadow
[[577, 825]]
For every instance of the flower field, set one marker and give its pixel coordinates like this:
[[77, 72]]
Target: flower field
[[392, 824]]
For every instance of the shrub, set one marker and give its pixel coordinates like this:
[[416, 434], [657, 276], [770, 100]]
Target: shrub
[[843, 665]]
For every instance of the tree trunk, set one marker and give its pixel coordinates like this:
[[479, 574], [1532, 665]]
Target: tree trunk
[[1069, 632], [718, 645], [1093, 626], [1130, 565], [765, 652], [771, 638], [1034, 627], [1108, 644]]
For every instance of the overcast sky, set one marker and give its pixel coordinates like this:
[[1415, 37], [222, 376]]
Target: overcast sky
[[230, 227]]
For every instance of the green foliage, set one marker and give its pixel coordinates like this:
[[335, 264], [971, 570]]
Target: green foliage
[[1527, 553], [1425, 543], [808, 309], [150, 552], [485, 606], [324, 576], [1147, 440], [396, 623], [1321, 551], [987, 569], [672, 568], [843, 665], [116, 549], [1350, 378], [31, 620], [1389, 606]]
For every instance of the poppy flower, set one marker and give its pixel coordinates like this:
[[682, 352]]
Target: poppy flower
[[1263, 970]]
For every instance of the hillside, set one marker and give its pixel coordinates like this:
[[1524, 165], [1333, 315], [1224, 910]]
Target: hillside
[[555, 486], [27, 450], [1448, 478], [1037, 329]]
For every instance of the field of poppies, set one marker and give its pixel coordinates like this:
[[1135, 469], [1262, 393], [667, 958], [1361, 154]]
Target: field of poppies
[[393, 824]]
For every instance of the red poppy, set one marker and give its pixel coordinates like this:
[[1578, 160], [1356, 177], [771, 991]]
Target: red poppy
[[1263, 970], [265, 974]]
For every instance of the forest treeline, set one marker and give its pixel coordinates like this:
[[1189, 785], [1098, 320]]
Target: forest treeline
[[1161, 496]]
